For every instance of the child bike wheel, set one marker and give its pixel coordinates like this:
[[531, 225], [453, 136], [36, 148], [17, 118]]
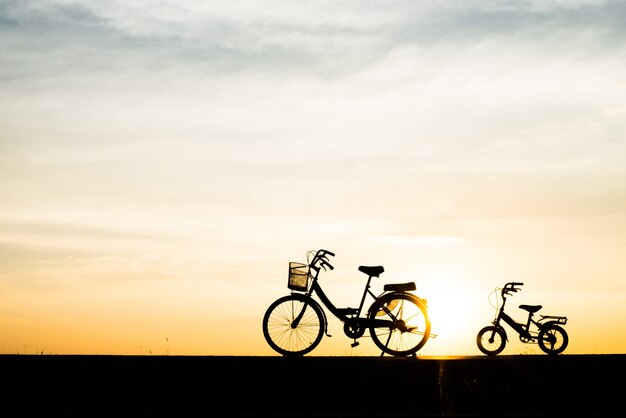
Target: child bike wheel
[[552, 339], [408, 324], [289, 340], [491, 340]]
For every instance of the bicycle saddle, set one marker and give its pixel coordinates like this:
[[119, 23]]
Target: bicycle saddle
[[372, 271], [530, 308]]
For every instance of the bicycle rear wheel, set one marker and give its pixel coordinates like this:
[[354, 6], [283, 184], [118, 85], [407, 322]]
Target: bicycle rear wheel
[[553, 339], [280, 332], [408, 324]]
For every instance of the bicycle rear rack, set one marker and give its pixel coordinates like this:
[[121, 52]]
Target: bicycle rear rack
[[558, 319]]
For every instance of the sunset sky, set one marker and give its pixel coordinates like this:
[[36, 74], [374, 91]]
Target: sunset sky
[[162, 161]]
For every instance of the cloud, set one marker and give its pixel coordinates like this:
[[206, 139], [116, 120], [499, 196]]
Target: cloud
[[324, 38], [210, 103]]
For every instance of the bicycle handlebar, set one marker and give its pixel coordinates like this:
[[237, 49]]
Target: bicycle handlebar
[[320, 256], [510, 287]]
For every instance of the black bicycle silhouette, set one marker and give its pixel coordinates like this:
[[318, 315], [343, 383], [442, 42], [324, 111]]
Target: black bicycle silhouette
[[546, 331], [295, 324]]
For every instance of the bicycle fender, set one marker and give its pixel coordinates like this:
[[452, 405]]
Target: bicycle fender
[[412, 296], [416, 298]]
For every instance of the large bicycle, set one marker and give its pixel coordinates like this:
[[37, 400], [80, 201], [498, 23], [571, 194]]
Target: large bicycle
[[295, 324], [547, 331]]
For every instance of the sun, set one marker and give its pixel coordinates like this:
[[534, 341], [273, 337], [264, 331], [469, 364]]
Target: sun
[[452, 312]]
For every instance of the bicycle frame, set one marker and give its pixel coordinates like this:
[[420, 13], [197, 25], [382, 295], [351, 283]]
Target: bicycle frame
[[343, 314], [522, 329]]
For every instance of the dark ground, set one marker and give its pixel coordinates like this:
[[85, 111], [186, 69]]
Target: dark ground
[[185, 386]]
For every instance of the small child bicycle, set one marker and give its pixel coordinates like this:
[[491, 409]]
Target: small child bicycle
[[295, 324], [547, 331]]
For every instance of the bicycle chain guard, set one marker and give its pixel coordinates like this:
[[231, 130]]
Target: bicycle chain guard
[[353, 329]]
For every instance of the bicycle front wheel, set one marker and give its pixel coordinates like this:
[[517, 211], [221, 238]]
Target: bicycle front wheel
[[407, 325], [491, 340], [293, 325]]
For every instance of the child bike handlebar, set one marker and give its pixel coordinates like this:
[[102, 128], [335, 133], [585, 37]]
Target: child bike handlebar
[[511, 287]]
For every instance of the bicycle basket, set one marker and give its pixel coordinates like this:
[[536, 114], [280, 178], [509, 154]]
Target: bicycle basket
[[298, 276]]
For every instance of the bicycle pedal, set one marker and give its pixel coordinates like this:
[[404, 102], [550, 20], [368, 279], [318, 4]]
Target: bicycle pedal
[[354, 344]]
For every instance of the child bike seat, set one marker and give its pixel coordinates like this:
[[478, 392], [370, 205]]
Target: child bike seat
[[372, 271], [530, 308]]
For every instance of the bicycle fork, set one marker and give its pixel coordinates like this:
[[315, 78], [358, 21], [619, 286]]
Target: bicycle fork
[[298, 318]]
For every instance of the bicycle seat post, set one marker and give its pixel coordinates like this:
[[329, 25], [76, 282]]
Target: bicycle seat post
[[367, 286], [530, 318]]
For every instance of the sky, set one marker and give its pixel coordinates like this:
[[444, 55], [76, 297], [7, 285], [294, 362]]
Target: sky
[[162, 161]]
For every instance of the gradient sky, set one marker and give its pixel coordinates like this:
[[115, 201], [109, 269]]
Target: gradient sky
[[161, 162]]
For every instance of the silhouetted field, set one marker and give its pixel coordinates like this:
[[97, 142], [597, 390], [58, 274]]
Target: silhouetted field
[[183, 386]]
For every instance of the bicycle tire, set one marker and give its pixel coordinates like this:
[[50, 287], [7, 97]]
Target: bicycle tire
[[491, 340], [278, 330], [409, 328], [553, 339]]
